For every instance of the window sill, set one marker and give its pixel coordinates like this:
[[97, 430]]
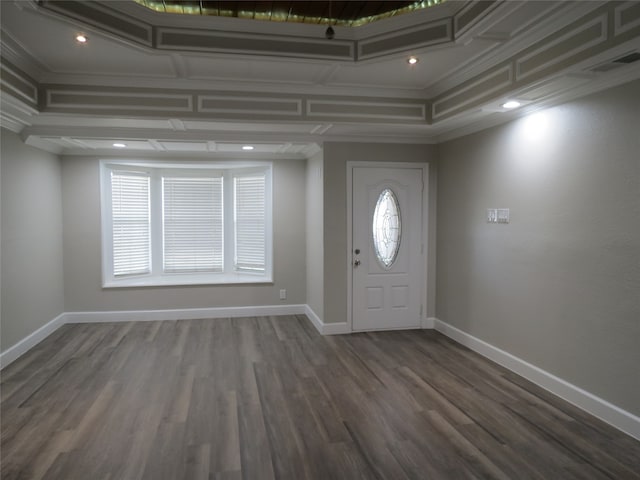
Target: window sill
[[182, 280]]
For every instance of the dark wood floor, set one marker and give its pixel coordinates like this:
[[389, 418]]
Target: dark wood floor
[[265, 398]]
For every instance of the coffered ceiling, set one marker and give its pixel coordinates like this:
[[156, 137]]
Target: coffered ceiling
[[167, 83]]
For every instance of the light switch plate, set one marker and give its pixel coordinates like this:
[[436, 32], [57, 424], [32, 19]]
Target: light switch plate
[[492, 215], [503, 215]]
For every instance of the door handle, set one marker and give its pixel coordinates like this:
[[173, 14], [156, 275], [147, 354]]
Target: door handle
[[356, 264]]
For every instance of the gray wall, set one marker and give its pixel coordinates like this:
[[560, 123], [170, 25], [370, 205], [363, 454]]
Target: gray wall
[[82, 269], [315, 235], [336, 156], [559, 286], [32, 292]]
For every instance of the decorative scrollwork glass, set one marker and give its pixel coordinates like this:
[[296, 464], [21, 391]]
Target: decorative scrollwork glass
[[386, 228]]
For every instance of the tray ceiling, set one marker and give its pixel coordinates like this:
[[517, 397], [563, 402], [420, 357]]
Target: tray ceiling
[[166, 82]]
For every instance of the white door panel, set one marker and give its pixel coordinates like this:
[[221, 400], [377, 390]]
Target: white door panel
[[386, 296]]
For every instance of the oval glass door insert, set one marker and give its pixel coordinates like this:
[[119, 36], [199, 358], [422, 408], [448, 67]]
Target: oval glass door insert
[[386, 228]]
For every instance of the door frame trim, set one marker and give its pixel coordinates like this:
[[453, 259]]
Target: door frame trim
[[424, 166]]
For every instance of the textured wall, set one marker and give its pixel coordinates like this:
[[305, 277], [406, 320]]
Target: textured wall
[[559, 286], [32, 286]]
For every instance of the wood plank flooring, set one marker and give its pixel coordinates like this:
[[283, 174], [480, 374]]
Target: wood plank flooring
[[268, 398]]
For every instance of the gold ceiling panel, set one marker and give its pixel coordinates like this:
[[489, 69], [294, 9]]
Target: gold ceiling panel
[[343, 13]]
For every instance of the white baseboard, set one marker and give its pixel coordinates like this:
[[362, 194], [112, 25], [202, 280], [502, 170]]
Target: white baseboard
[[343, 327], [30, 341], [336, 328], [183, 314], [596, 406], [326, 328], [315, 319], [428, 322]]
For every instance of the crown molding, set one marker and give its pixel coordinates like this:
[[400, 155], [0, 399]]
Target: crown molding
[[16, 54], [573, 53], [441, 24]]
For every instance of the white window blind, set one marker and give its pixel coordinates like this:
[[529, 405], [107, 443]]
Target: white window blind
[[130, 223], [249, 222], [193, 228], [179, 223]]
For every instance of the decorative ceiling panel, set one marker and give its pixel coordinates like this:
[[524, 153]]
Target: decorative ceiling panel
[[212, 41], [224, 79], [346, 13]]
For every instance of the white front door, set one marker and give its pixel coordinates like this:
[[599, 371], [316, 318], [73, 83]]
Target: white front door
[[386, 252]]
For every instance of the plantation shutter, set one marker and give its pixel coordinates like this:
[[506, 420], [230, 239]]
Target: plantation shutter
[[249, 222], [130, 223], [192, 224]]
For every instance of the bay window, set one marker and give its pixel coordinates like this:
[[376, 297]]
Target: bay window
[[184, 224]]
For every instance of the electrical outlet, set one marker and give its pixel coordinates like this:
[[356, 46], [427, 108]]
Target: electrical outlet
[[283, 294]]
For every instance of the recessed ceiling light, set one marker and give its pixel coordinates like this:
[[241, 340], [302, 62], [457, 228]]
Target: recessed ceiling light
[[412, 60], [82, 38], [247, 147], [120, 145], [511, 104]]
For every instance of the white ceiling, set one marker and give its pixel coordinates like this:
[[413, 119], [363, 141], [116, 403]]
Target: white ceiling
[[40, 42]]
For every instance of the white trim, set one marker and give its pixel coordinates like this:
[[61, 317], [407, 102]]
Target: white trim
[[33, 94], [350, 167], [315, 319], [428, 323], [339, 328], [460, 32], [297, 102], [78, 94], [424, 166], [596, 406], [404, 32], [482, 78], [619, 28], [261, 44], [111, 12], [599, 21], [352, 113], [155, 171], [173, 279], [183, 314], [326, 328], [27, 343]]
